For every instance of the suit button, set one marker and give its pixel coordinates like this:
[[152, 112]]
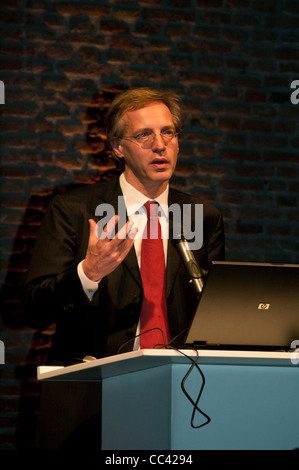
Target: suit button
[[69, 306]]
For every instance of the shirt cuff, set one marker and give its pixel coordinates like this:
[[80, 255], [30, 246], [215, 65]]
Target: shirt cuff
[[89, 287]]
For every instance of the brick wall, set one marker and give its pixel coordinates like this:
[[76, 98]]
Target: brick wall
[[232, 62]]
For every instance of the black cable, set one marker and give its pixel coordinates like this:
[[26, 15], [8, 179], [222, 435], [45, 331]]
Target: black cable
[[194, 365], [194, 403], [140, 334]]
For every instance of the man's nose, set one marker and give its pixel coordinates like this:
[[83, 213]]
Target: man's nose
[[158, 143]]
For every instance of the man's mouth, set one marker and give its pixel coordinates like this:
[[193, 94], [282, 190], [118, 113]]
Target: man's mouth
[[160, 162]]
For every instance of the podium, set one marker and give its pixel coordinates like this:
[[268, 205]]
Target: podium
[[251, 399]]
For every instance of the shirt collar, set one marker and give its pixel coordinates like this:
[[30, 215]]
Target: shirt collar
[[133, 197]]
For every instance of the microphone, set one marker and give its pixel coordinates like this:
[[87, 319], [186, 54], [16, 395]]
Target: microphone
[[194, 271]]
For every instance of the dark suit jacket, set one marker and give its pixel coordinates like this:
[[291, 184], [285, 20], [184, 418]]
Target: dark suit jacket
[[53, 292]]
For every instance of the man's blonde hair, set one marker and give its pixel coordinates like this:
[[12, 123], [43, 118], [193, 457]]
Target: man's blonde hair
[[137, 98]]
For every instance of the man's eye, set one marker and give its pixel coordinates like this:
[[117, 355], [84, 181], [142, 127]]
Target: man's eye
[[167, 132], [143, 135]]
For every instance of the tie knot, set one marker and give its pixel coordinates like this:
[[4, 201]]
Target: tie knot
[[151, 208]]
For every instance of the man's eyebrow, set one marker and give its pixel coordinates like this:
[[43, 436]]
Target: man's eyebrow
[[142, 129], [166, 126]]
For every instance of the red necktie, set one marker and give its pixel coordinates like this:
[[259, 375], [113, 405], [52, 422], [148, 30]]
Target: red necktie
[[152, 267]]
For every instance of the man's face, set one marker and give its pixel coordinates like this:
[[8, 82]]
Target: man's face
[[148, 169]]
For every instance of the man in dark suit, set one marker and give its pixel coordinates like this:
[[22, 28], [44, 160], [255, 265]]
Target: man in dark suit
[[90, 285]]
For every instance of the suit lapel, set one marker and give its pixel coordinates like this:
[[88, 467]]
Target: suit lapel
[[173, 263], [173, 260], [131, 264]]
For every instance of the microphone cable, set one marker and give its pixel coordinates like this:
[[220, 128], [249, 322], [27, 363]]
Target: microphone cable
[[164, 345], [194, 365]]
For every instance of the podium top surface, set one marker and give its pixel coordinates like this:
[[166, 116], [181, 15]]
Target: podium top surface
[[100, 369]]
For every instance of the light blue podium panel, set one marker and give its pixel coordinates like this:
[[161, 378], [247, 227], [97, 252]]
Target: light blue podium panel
[[251, 399]]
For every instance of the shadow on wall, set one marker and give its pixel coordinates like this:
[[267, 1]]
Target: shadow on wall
[[34, 346]]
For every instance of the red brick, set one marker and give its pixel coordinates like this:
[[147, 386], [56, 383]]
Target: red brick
[[70, 8], [239, 155], [129, 15], [280, 156]]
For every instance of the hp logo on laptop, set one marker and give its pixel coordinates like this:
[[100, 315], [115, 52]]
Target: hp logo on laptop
[[264, 306]]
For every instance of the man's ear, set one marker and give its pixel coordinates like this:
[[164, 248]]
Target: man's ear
[[117, 148]]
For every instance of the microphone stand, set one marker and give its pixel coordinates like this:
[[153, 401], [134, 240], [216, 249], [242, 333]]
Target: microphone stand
[[195, 273]]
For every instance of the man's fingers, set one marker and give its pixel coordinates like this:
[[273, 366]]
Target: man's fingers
[[127, 231], [93, 229], [108, 232], [104, 255]]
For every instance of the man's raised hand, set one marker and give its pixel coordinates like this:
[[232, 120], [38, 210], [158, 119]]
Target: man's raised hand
[[105, 253]]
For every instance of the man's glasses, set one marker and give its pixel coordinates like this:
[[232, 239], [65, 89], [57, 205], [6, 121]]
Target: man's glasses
[[146, 138]]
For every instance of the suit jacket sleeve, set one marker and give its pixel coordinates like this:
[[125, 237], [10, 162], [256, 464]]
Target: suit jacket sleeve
[[52, 280]]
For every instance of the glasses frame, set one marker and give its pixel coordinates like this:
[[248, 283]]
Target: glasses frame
[[151, 139]]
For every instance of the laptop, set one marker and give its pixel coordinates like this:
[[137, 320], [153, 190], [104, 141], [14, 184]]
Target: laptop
[[247, 306]]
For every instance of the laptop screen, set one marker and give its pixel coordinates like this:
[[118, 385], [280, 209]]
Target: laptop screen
[[252, 306]]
